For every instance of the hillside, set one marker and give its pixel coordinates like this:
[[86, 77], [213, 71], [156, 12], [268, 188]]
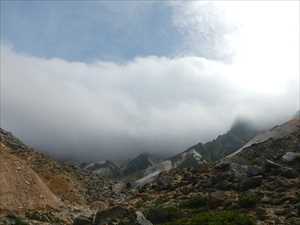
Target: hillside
[[258, 185], [20, 187], [62, 179]]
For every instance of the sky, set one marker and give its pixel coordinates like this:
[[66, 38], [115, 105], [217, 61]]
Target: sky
[[96, 80]]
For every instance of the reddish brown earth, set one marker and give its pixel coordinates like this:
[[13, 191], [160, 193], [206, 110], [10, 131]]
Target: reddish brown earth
[[21, 188]]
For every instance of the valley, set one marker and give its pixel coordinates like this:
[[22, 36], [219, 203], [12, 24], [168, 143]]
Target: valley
[[257, 182]]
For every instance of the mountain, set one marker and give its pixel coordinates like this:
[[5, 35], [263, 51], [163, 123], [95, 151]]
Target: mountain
[[240, 132], [104, 168]]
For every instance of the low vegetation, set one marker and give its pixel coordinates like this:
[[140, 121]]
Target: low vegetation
[[215, 218], [248, 200], [194, 203], [159, 215]]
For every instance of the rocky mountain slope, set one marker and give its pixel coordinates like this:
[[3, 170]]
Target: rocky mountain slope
[[238, 135], [198, 155], [187, 159], [139, 163], [258, 184]]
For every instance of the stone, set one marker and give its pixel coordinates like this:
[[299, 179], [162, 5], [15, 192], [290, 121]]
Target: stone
[[288, 173], [164, 182], [254, 171], [141, 219], [251, 182], [291, 156], [119, 187], [216, 199], [109, 215], [269, 165], [260, 213], [223, 166], [82, 220]]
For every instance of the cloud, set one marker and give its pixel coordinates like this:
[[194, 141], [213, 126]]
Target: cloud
[[114, 110]]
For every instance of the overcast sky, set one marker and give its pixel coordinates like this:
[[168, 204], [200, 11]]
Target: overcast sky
[[106, 80]]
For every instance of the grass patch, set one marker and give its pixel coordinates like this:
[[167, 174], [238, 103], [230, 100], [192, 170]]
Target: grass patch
[[17, 220], [194, 203], [215, 218], [248, 200], [159, 215]]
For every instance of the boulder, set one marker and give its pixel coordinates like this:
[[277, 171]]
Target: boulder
[[116, 213], [119, 187], [291, 156], [270, 165], [43, 216], [164, 182], [141, 219], [251, 182], [254, 171], [288, 173], [82, 220], [223, 166], [215, 199]]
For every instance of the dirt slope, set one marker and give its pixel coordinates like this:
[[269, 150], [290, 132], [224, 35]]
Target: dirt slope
[[63, 180], [20, 187]]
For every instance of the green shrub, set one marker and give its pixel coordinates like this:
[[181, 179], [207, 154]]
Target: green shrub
[[194, 203], [248, 200], [16, 220], [160, 215], [216, 218], [19, 221]]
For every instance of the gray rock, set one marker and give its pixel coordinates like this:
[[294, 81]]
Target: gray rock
[[288, 173], [107, 216], [223, 166], [141, 219], [291, 156], [119, 187], [82, 220], [269, 165], [251, 182], [254, 171]]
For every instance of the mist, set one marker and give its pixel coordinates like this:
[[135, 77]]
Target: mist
[[111, 110]]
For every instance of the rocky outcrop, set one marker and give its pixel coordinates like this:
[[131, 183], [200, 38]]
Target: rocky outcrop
[[120, 215], [140, 163], [291, 156], [187, 159], [238, 135], [104, 168]]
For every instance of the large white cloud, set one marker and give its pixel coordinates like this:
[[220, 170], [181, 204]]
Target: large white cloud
[[106, 109]]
